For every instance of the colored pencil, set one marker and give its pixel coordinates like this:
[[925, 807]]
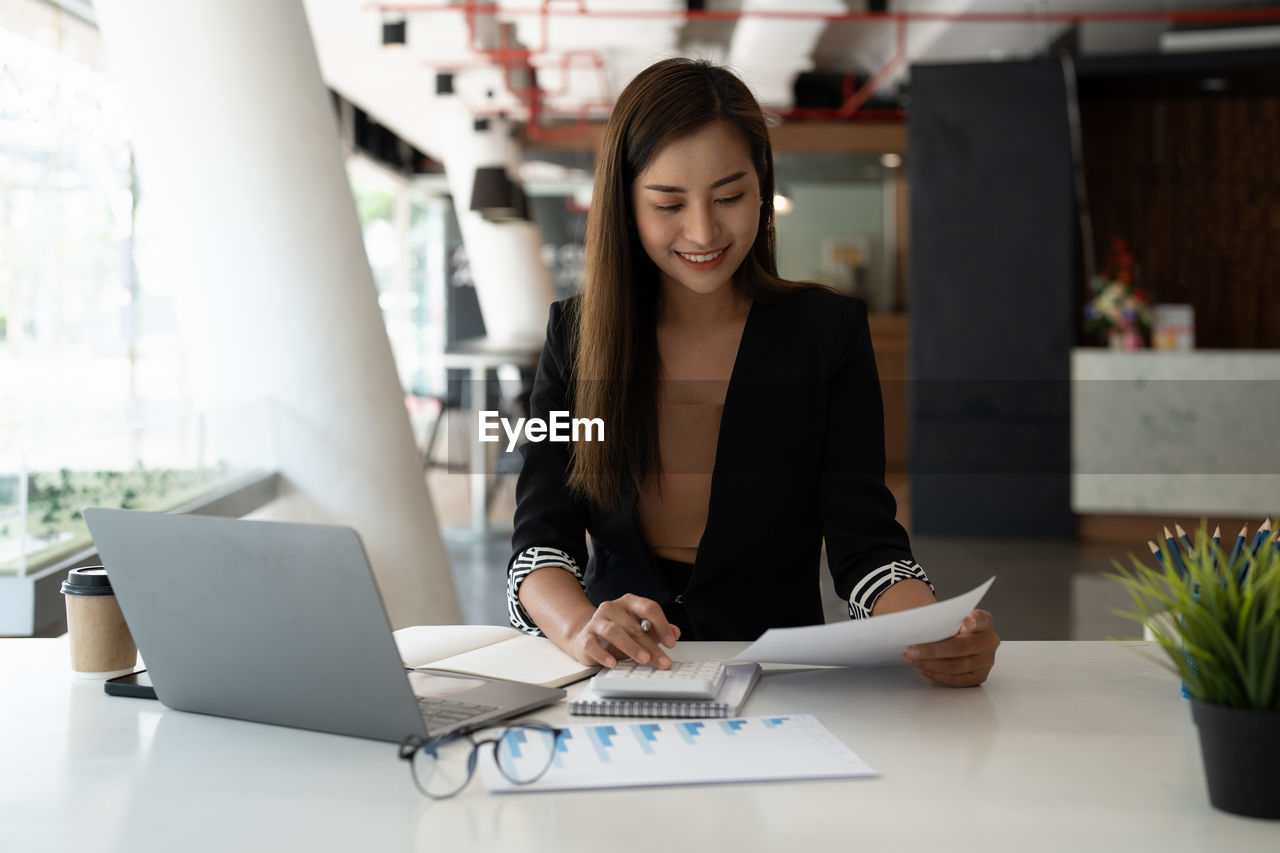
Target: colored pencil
[[1173, 550], [1186, 540], [1239, 546], [1255, 547], [1260, 537]]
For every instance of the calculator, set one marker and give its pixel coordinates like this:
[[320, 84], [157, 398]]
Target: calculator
[[685, 680]]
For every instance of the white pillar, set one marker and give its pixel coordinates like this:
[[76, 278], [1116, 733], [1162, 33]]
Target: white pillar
[[513, 286], [238, 149]]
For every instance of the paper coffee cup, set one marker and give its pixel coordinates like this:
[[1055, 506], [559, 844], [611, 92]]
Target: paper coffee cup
[[101, 645]]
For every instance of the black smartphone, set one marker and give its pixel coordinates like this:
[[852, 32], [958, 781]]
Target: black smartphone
[[135, 684]]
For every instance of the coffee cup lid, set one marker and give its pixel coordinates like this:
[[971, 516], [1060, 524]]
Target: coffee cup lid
[[88, 580]]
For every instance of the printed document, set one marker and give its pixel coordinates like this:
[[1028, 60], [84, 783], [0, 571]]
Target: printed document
[[877, 641], [684, 752]]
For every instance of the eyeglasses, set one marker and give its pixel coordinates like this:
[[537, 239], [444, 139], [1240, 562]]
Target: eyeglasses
[[442, 766]]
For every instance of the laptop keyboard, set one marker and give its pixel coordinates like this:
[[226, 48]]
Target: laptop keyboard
[[446, 713]]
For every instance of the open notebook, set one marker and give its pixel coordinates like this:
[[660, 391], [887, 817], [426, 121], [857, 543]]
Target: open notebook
[[490, 651]]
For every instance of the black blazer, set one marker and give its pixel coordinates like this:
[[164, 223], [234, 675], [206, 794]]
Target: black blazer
[[800, 457]]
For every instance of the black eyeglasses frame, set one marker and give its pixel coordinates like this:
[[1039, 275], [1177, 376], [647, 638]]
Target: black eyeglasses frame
[[412, 744]]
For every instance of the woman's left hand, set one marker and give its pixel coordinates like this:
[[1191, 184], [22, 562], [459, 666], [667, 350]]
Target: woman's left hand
[[960, 661]]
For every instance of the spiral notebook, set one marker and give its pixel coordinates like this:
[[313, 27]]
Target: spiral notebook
[[739, 679]]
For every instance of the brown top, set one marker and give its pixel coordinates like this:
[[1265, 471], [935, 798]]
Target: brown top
[[697, 363], [671, 508]]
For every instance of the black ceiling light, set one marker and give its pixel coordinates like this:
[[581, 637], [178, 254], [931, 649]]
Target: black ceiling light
[[491, 192], [393, 33], [520, 203], [496, 197]]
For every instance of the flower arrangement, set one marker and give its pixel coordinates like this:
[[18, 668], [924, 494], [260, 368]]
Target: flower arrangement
[[1120, 308]]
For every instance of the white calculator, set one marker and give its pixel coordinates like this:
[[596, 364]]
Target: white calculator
[[685, 680]]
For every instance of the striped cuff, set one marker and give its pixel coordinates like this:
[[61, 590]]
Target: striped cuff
[[864, 595], [531, 559]]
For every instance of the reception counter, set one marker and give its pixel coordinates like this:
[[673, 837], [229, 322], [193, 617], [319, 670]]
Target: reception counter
[[1192, 432]]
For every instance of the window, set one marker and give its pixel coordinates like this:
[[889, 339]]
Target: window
[[842, 227], [93, 404]]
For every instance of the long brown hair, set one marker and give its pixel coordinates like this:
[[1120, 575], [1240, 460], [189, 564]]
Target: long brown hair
[[616, 360]]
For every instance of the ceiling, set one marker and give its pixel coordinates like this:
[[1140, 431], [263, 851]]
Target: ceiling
[[591, 48]]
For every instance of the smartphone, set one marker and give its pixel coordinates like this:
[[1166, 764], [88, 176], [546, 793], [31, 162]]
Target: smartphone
[[135, 684]]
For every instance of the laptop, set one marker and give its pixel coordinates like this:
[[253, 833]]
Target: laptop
[[280, 623]]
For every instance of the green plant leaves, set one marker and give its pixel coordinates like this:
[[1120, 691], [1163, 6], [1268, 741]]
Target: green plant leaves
[[1219, 630]]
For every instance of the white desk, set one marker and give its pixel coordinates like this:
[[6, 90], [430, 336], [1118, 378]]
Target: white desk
[[1070, 746]]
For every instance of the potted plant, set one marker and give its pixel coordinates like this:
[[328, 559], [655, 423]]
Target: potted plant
[[1216, 617]]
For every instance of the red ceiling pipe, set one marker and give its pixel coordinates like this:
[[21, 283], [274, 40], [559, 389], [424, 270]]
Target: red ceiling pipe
[[1174, 16], [566, 59], [863, 94], [510, 58]]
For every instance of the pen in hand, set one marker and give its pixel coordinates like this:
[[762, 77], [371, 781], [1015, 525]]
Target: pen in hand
[[661, 661]]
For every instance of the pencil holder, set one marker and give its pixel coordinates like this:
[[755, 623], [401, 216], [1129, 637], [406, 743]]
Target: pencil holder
[[1217, 618], [1186, 691]]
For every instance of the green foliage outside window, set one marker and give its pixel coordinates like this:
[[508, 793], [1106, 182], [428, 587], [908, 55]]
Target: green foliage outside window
[[56, 500]]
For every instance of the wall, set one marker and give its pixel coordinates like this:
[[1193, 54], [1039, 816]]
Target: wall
[[1182, 157], [833, 210]]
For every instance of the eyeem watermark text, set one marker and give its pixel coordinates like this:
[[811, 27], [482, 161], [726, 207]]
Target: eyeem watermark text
[[560, 428]]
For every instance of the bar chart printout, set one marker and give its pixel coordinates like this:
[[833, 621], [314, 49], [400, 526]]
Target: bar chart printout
[[689, 752]]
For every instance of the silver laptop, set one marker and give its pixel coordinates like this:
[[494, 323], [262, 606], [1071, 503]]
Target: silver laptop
[[279, 623]]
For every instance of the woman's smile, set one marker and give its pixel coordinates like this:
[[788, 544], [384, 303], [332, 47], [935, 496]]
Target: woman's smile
[[703, 260]]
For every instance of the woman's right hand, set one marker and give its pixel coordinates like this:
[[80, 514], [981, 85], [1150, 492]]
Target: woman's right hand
[[613, 632]]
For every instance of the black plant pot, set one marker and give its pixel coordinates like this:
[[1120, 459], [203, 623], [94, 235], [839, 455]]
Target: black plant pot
[[1241, 751]]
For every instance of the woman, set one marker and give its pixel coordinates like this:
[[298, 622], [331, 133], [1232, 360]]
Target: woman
[[743, 423]]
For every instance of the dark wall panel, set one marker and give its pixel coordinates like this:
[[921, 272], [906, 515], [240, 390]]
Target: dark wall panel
[[1182, 157], [992, 300]]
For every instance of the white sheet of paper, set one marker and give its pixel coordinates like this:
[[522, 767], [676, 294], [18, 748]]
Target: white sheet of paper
[[876, 641]]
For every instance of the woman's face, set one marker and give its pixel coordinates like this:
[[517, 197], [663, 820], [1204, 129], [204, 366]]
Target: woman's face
[[697, 208]]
